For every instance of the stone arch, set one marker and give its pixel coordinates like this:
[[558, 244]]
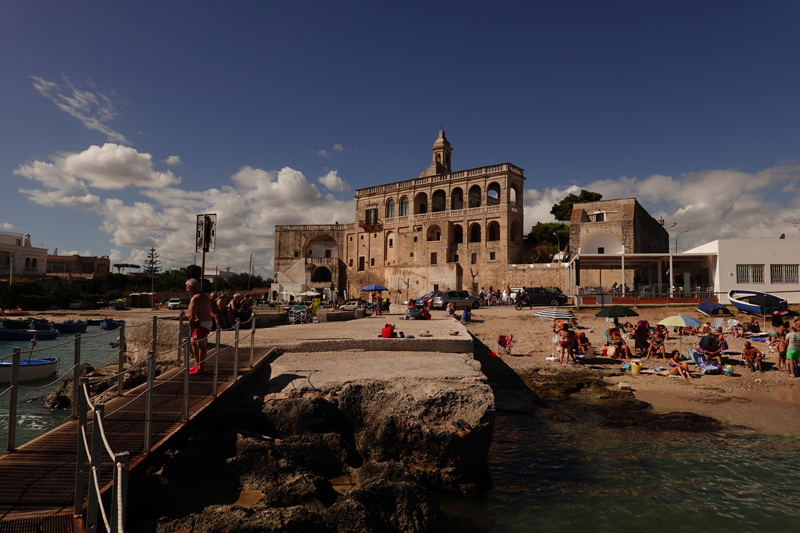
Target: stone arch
[[404, 206], [514, 197], [390, 248], [420, 203], [434, 233], [475, 232], [601, 242], [317, 245], [457, 199], [321, 274], [475, 196], [514, 231], [27, 262], [458, 234], [493, 231], [493, 194], [438, 201], [34, 262], [390, 208]]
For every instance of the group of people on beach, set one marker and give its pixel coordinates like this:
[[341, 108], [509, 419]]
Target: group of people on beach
[[571, 341], [495, 297]]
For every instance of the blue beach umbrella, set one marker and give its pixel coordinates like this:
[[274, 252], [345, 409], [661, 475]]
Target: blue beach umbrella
[[374, 287]]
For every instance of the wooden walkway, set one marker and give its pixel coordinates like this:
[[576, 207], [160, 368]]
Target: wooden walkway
[[37, 482]]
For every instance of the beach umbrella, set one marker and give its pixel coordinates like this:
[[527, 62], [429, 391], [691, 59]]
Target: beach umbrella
[[374, 287], [555, 314], [681, 322], [616, 311]]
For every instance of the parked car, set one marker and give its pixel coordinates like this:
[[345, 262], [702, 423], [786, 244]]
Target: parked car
[[79, 304], [427, 298], [176, 303], [543, 296], [352, 305], [457, 298]]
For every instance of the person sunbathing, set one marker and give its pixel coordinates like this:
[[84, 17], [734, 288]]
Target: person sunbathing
[[584, 346], [663, 331], [678, 367], [657, 344], [620, 348], [706, 329], [752, 357], [752, 325]]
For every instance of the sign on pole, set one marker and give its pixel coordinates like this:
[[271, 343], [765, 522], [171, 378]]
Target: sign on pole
[[206, 232]]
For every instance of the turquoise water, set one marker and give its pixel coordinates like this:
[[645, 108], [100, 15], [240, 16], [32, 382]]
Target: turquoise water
[[582, 477], [32, 417]]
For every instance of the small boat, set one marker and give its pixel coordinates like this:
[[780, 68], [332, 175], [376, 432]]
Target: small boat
[[15, 323], [108, 323], [740, 299], [71, 326], [28, 334], [40, 324], [709, 308], [29, 369]]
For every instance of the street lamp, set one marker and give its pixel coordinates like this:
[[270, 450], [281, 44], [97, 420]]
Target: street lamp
[[152, 277], [676, 239], [559, 259]]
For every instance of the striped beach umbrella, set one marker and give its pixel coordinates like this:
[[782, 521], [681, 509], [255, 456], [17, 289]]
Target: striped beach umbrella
[[555, 314]]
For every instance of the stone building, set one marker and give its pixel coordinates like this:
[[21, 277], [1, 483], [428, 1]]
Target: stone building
[[444, 229], [18, 257], [78, 266]]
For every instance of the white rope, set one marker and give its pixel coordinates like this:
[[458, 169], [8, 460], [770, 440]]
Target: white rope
[[119, 498], [63, 376], [89, 404], [106, 332], [5, 391], [86, 444], [100, 499], [99, 422], [51, 347]]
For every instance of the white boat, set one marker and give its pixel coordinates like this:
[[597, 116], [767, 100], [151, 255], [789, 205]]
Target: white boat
[[29, 369]]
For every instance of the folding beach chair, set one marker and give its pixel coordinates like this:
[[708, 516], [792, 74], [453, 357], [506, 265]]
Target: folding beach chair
[[718, 322], [702, 363]]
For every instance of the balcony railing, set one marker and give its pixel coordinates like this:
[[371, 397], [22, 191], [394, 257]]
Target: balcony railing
[[369, 223]]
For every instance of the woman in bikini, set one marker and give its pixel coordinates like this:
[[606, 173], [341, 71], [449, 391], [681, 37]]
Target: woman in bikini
[[656, 345], [565, 338], [678, 367]]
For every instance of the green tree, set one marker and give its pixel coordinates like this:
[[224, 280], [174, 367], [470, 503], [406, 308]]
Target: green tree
[[152, 265], [563, 209], [541, 243]]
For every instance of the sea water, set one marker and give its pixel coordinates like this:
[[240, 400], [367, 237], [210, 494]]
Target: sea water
[[33, 419], [583, 477]]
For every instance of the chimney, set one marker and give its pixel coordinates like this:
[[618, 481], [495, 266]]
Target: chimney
[[27, 240], [661, 220]]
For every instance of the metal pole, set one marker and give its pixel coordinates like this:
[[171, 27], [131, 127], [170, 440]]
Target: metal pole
[[203, 261], [97, 457], [12, 407], [252, 338], [80, 461], [120, 492], [76, 374], [187, 364], [236, 351], [155, 333], [180, 336], [123, 346], [148, 409], [216, 365]]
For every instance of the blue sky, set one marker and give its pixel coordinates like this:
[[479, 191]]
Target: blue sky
[[121, 121]]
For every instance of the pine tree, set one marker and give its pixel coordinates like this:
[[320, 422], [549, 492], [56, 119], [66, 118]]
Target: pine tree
[[152, 264]]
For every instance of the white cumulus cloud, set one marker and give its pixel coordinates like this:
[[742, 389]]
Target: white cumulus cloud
[[332, 181], [173, 160]]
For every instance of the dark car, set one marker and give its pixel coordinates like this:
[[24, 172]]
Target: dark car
[[543, 296]]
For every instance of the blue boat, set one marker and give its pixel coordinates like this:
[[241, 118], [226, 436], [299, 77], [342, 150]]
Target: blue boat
[[709, 308], [27, 334], [108, 323], [740, 299], [71, 326]]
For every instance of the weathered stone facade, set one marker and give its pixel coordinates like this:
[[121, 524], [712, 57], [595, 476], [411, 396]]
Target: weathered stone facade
[[611, 226], [457, 230]]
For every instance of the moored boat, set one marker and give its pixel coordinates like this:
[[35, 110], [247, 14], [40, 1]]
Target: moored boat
[[27, 334], [741, 300], [709, 308], [15, 323], [108, 323], [71, 326], [29, 369]]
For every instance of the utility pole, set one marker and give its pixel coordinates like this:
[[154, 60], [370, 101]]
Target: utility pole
[[153, 275], [559, 259], [249, 271]]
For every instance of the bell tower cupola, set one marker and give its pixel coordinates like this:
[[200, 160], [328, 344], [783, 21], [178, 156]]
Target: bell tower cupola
[[441, 157]]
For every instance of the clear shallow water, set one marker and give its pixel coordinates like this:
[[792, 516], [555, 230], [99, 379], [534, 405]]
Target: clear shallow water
[[32, 417], [581, 477]]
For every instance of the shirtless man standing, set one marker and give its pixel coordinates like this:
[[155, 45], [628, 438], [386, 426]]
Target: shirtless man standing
[[200, 322]]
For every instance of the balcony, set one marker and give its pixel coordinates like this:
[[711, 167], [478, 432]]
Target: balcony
[[370, 223]]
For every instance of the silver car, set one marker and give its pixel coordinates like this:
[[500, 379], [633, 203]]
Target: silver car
[[457, 298]]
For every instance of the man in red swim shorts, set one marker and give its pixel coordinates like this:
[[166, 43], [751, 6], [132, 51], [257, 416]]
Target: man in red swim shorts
[[200, 322]]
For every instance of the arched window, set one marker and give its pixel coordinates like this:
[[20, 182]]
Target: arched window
[[457, 199], [390, 209], [434, 233], [493, 194], [404, 206], [512, 195], [493, 231], [475, 233], [420, 203], [458, 234], [439, 201], [27, 262], [34, 262], [475, 196]]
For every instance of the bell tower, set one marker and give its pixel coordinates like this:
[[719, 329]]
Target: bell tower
[[441, 157]]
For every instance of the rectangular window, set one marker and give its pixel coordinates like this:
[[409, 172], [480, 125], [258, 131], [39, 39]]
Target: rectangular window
[[351, 239], [391, 243], [361, 261], [297, 254], [372, 216], [455, 258], [412, 255], [433, 258], [474, 259], [372, 262], [436, 286], [415, 238], [327, 253], [491, 256], [600, 217], [783, 273], [438, 235], [601, 250], [749, 273], [309, 252], [351, 263]]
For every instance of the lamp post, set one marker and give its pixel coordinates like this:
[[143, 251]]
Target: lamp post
[[153, 277], [559, 259], [676, 239]]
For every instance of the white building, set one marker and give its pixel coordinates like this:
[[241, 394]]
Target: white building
[[19, 258], [765, 265]]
